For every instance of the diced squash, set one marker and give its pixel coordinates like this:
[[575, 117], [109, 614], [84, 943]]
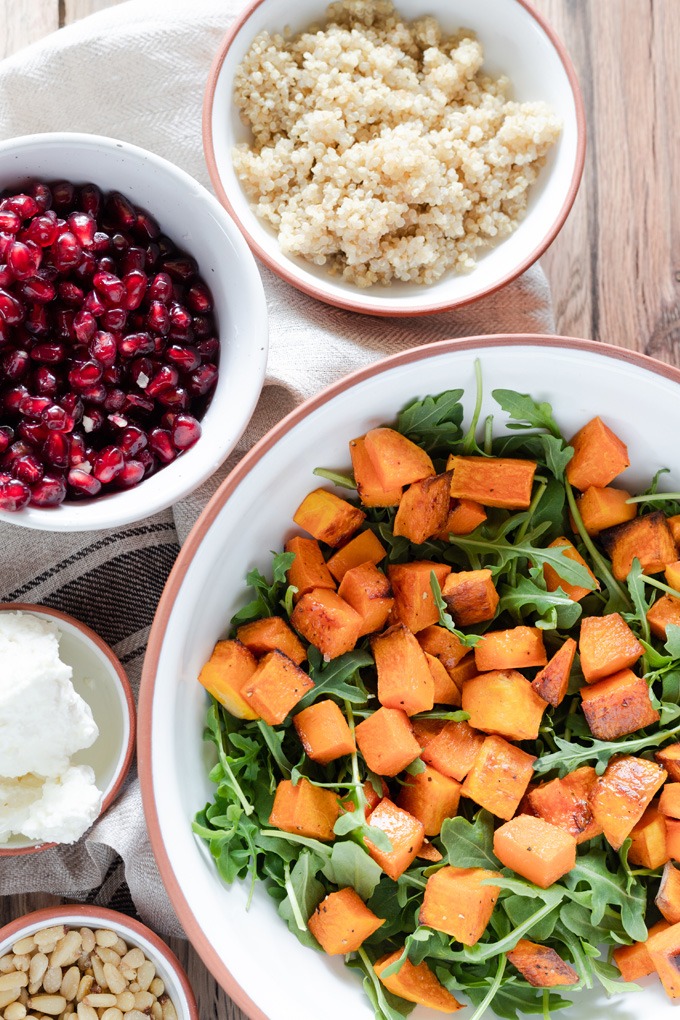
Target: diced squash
[[606, 645], [464, 671], [463, 517], [599, 456], [271, 634], [430, 797], [453, 750], [423, 509], [668, 896], [553, 581], [458, 902], [669, 758], [618, 705], [634, 961], [541, 966], [648, 840], [395, 459], [229, 667], [327, 622], [602, 508], [673, 838], [308, 570], [371, 492], [620, 797], [429, 852], [412, 589], [516, 648], [323, 732], [404, 832], [538, 851], [647, 538], [493, 481], [669, 802], [328, 518], [369, 593], [342, 922], [404, 677], [445, 691], [565, 803], [503, 702], [387, 742], [416, 983], [365, 547], [672, 575], [305, 810], [425, 730], [444, 645], [552, 681], [275, 687], [499, 777], [664, 950], [470, 596], [674, 525], [664, 612]]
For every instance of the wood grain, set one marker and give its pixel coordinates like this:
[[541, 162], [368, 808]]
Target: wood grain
[[24, 21]]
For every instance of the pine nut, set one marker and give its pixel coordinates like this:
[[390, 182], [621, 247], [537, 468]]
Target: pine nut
[[114, 979], [112, 1013], [169, 1011], [134, 959], [108, 956], [143, 1001], [157, 1011], [134, 1014], [7, 963], [15, 979], [38, 966], [69, 985], [86, 1012], [98, 968], [67, 950], [86, 983], [52, 980], [125, 1001], [15, 1011], [47, 935], [22, 962], [105, 937], [88, 940], [157, 987], [100, 999], [23, 946], [11, 995], [120, 947], [145, 975], [53, 1005]]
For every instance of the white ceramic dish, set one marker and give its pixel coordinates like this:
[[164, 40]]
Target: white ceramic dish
[[101, 681], [192, 218], [236, 532], [518, 42]]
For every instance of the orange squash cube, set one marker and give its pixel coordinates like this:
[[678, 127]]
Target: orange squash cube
[[674, 525], [423, 509], [618, 705], [425, 730], [538, 851], [620, 797], [323, 732], [673, 838], [430, 797], [668, 897], [416, 983], [604, 508], [553, 581], [663, 949], [669, 758], [453, 750], [599, 456], [395, 459], [327, 622], [672, 575], [541, 966], [445, 690], [229, 667], [664, 612], [464, 671], [269, 635], [371, 492], [328, 518], [503, 702], [459, 902], [648, 846], [342, 922], [429, 852], [565, 803], [669, 802], [369, 593], [275, 687], [365, 547], [308, 570], [440, 642], [493, 481], [647, 538], [305, 810], [516, 648], [634, 961], [552, 681], [606, 645], [463, 517], [470, 596], [387, 742], [412, 589], [499, 777], [404, 677], [404, 832]]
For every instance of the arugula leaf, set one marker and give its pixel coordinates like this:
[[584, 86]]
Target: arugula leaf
[[303, 894], [548, 450], [524, 410], [339, 677], [267, 596], [434, 422], [528, 594], [503, 551], [672, 645], [470, 844], [570, 755], [445, 618], [605, 889], [336, 477], [349, 865], [519, 908]]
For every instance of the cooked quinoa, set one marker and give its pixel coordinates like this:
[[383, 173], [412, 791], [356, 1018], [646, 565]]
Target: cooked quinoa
[[379, 147]]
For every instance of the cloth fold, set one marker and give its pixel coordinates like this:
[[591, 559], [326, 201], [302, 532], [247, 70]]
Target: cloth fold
[[137, 72]]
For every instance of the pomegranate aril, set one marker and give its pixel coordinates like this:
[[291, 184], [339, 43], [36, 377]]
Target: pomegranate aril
[[121, 211], [19, 448], [51, 353], [10, 221], [15, 364], [23, 260], [185, 358], [70, 293], [33, 407], [63, 196], [112, 375], [84, 326], [93, 419], [180, 322], [114, 400], [6, 276], [14, 495], [95, 394], [81, 377], [135, 403], [166, 419], [38, 291], [146, 227], [132, 474], [66, 252], [134, 260], [203, 326], [135, 284], [23, 205], [208, 349], [174, 397], [153, 253], [11, 308], [202, 380], [51, 491], [42, 231], [72, 403], [90, 198], [181, 268], [86, 267], [108, 463], [141, 372], [6, 437], [160, 443], [166, 377], [132, 441], [56, 450], [160, 288], [33, 432], [103, 348], [114, 318], [83, 227], [13, 398], [134, 344], [149, 462], [41, 195], [185, 431], [199, 298], [77, 450], [83, 482], [101, 242], [58, 419], [158, 318], [120, 242], [37, 322], [110, 287], [94, 304], [28, 469], [44, 382]]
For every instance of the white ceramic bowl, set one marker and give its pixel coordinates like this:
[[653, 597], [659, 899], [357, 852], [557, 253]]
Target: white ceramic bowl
[[195, 221], [168, 967], [581, 379], [518, 42], [100, 680]]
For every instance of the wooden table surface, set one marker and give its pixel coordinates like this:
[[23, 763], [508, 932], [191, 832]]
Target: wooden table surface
[[615, 267]]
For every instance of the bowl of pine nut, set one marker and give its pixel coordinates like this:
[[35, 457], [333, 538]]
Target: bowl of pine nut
[[89, 963]]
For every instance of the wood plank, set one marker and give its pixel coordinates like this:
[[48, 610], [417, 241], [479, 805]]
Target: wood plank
[[25, 21], [73, 10]]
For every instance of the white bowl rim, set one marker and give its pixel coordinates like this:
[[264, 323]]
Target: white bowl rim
[[215, 964], [281, 265], [130, 713], [73, 516]]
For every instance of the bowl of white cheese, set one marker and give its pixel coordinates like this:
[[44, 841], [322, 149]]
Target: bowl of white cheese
[[67, 728]]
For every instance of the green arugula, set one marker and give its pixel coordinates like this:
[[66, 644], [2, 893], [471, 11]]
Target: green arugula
[[554, 608], [525, 413], [445, 618], [434, 422], [340, 677], [268, 595]]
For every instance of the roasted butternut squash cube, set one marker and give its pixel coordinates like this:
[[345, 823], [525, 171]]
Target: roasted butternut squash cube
[[308, 570], [423, 509], [426, 730], [440, 642], [672, 575], [668, 896], [516, 648], [430, 797], [464, 671], [463, 517], [445, 690], [327, 622], [621, 795], [599, 456], [470, 596], [669, 758], [648, 840], [538, 851], [269, 635], [404, 677], [673, 838], [669, 802], [664, 950], [604, 508], [404, 832], [552, 681], [275, 687], [323, 732], [499, 777], [229, 667], [395, 459], [606, 645], [328, 518], [493, 481], [459, 902], [664, 612], [342, 922], [634, 961], [365, 547], [503, 702], [541, 966], [371, 491], [416, 983], [647, 538], [454, 749], [369, 593], [387, 742], [674, 525], [553, 581], [429, 852], [565, 803], [305, 810], [412, 589], [618, 705]]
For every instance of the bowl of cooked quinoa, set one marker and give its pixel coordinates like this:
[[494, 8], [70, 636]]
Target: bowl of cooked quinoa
[[394, 159]]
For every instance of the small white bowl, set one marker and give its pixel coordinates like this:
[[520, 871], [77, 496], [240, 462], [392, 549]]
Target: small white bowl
[[168, 967], [518, 42], [100, 680], [196, 222]]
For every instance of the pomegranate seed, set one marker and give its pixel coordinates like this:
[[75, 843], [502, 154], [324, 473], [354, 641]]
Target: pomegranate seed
[[146, 227], [180, 321], [42, 196], [11, 308], [78, 449], [185, 431], [86, 267], [66, 252], [6, 276], [14, 495], [153, 253], [149, 462], [91, 199], [57, 449], [20, 448], [84, 326], [33, 432], [38, 291], [160, 288], [182, 268], [134, 260], [110, 287], [166, 420], [135, 403], [94, 304], [63, 195], [174, 397], [135, 343], [114, 318], [108, 463], [51, 491], [42, 231], [15, 364], [72, 403], [81, 377], [120, 242], [23, 205], [158, 319], [166, 377], [5, 241], [208, 349], [141, 372], [7, 435], [121, 210], [58, 419], [24, 259], [83, 227], [160, 442], [82, 482], [101, 242], [132, 474], [95, 394], [185, 358], [45, 382], [135, 284], [10, 221], [36, 321], [132, 441], [51, 353], [103, 348], [203, 326], [202, 380], [93, 419], [33, 407], [28, 469], [13, 398], [114, 399], [112, 375], [199, 298], [70, 293]]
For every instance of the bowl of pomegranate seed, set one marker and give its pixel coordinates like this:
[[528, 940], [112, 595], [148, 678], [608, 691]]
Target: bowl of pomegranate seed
[[133, 333]]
